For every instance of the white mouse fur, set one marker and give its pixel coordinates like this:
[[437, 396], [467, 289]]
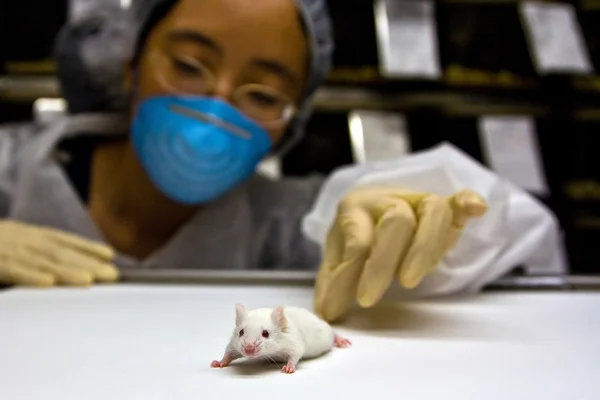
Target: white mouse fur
[[279, 334]]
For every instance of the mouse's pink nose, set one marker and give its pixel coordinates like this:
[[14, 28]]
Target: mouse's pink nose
[[250, 348]]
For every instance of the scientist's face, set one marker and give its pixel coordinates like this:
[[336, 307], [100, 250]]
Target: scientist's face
[[250, 53]]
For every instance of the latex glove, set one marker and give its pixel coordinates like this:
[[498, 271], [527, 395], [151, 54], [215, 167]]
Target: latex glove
[[38, 256], [383, 234]]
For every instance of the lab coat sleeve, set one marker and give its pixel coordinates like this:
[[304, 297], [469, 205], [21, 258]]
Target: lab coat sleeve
[[279, 207], [13, 139]]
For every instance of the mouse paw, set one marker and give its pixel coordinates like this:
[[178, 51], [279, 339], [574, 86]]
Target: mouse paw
[[341, 342], [218, 364], [288, 369]]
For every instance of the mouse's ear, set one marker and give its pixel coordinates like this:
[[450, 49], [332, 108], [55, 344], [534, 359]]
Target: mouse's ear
[[240, 313], [279, 318]]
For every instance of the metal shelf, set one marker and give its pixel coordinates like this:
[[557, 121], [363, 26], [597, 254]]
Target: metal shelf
[[307, 278], [328, 99], [28, 89]]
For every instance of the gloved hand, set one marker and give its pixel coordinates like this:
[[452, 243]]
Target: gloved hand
[[383, 234], [38, 256]]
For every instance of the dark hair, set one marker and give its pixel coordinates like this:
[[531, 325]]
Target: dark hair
[[155, 17], [92, 80]]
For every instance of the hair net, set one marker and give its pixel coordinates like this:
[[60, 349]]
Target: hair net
[[90, 55], [92, 49]]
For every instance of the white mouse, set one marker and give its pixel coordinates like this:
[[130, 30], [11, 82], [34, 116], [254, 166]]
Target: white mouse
[[285, 334]]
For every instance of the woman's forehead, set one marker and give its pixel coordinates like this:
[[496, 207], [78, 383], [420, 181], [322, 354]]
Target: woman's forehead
[[264, 29]]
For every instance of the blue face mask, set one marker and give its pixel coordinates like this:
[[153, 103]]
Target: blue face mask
[[195, 149]]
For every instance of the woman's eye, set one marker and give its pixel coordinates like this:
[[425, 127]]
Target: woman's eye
[[263, 99], [242, 332], [265, 334], [187, 68]]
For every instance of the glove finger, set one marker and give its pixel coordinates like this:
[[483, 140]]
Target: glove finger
[[370, 198], [98, 270], [465, 205], [26, 277], [14, 272], [434, 222], [63, 274], [393, 236], [95, 249], [334, 246], [339, 292], [72, 266]]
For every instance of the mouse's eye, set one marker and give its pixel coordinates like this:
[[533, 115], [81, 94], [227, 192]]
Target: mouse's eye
[[242, 332], [265, 334]]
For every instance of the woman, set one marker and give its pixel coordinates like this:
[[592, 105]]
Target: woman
[[213, 86]]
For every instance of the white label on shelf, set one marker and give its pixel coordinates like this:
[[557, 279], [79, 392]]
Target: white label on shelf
[[46, 110], [407, 38], [378, 135], [555, 38], [511, 149], [270, 167]]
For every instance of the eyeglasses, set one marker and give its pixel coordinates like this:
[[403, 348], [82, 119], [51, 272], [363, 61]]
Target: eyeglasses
[[262, 103]]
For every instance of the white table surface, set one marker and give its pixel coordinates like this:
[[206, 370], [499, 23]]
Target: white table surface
[[156, 342]]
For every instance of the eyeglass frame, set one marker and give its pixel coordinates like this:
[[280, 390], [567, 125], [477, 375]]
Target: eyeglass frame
[[289, 111]]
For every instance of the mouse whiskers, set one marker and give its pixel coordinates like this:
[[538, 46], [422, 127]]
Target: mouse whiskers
[[270, 360]]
